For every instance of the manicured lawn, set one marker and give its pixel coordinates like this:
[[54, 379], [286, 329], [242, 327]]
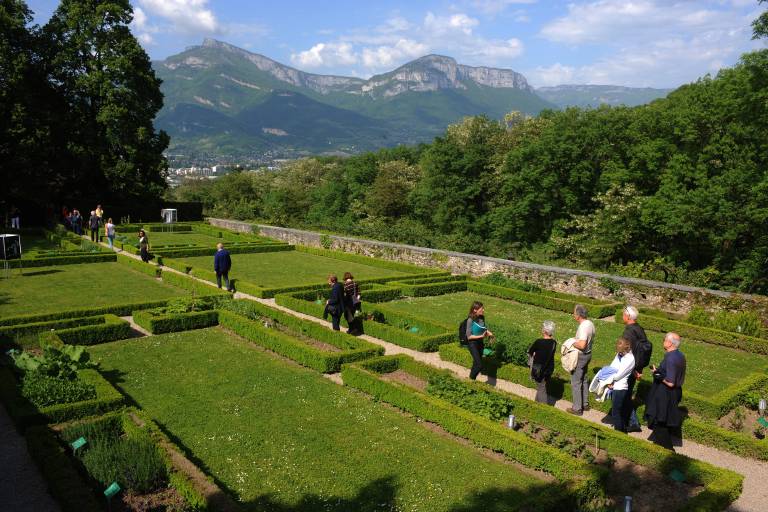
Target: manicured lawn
[[50, 289], [181, 237], [31, 243], [710, 368], [281, 437], [288, 268]]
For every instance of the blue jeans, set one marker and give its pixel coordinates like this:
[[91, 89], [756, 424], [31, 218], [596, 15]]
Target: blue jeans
[[621, 403], [111, 240]]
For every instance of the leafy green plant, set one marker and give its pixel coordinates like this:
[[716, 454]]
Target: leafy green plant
[[611, 285], [325, 241], [737, 420], [61, 362], [742, 322], [760, 432], [488, 405], [499, 279], [44, 390]]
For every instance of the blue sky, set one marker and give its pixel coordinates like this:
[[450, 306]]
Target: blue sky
[[642, 43]]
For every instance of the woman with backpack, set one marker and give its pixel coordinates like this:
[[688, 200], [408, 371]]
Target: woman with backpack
[[541, 355], [475, 332]]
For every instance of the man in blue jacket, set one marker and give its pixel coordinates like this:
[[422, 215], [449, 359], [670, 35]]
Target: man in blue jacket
[[222, 263]]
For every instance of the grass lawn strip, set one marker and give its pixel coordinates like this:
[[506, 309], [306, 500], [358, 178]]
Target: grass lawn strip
[[290, 268], [279, 436], [60, 288]]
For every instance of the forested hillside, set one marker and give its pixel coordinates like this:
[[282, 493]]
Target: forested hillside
[[676, 189]]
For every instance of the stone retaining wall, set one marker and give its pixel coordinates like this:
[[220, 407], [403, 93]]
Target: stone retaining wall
[[641, 292]]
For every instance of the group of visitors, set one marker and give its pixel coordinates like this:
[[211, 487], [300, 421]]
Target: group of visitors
[[345, 300], [617, 380], [74, 220]]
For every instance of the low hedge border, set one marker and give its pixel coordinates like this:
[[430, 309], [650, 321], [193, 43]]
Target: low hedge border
[[429, 280], [187, 283], [399, 336], [430, 289], [159, 324], [544, 301], [113, 328], [11, 333], [706, 334], [210, 251], [63, 260], [321, 360], [25, 414], [721, 486], [718, 405], [583, 482], [140, 266], [366, 260], [125, 309], [68, 488]]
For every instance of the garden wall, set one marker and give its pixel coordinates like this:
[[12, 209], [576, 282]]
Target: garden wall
[[656, 294]]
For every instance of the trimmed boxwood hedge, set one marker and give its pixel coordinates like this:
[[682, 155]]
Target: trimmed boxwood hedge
[[542, 300], [706, 334], [583, 482], [210, 251], [193, 285], [429, 289], [11, 333], [99, 257], [140, 266], [159, 324], [25, 414], [113, 328], [721, 486], [720, 404], [303, 353]]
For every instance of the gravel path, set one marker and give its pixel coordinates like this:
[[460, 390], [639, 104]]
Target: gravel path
[[754, 497], [22, 487]]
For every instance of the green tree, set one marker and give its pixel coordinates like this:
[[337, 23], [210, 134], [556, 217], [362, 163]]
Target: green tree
[[760, 25], [112, 96], [388, 196]]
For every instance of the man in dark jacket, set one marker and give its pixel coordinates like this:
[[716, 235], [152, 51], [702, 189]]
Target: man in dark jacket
[[222, 263], [661, 408], [640, 345], [334, 306], [93, 223]]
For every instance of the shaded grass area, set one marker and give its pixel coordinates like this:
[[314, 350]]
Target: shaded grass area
[[280, 437], [51, 289], [710, 368], [290, 268], [34, 243]]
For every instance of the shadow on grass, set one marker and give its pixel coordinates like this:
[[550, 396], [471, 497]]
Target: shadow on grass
[[41, 272]]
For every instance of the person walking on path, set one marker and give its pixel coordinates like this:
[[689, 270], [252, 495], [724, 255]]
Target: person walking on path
[[585, 334], [222, 264], [334, 306], [352, 304], [100, 214], [661, 408], [542, 356], [641, 351], [77, 222], [144, 246], [109, 230], [624, 363], [93, 223], [476, 333], [15, 218]]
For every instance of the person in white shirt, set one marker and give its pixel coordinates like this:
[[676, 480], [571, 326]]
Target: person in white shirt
[[585, 334], [624, 362]]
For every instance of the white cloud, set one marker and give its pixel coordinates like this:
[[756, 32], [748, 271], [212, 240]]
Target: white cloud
[[325, 55], [495, 50], [389, 56], [646, 42], [188, 16], [439, 25], [139, 18], [494, 7]]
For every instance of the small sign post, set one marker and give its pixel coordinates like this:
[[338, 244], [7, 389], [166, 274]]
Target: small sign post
[[110, 493], [77, 444]]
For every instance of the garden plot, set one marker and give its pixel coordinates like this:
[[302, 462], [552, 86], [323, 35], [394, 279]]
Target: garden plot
[[710, 368], [292, 268], [157, 239], [65, 287], [277, 436]]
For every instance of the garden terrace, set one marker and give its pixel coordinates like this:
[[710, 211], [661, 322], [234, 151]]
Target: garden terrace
[[478, 412], [278, 436], [266, 274], [60, 288]]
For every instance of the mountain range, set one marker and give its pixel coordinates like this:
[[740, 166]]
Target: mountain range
[[225, 101]]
